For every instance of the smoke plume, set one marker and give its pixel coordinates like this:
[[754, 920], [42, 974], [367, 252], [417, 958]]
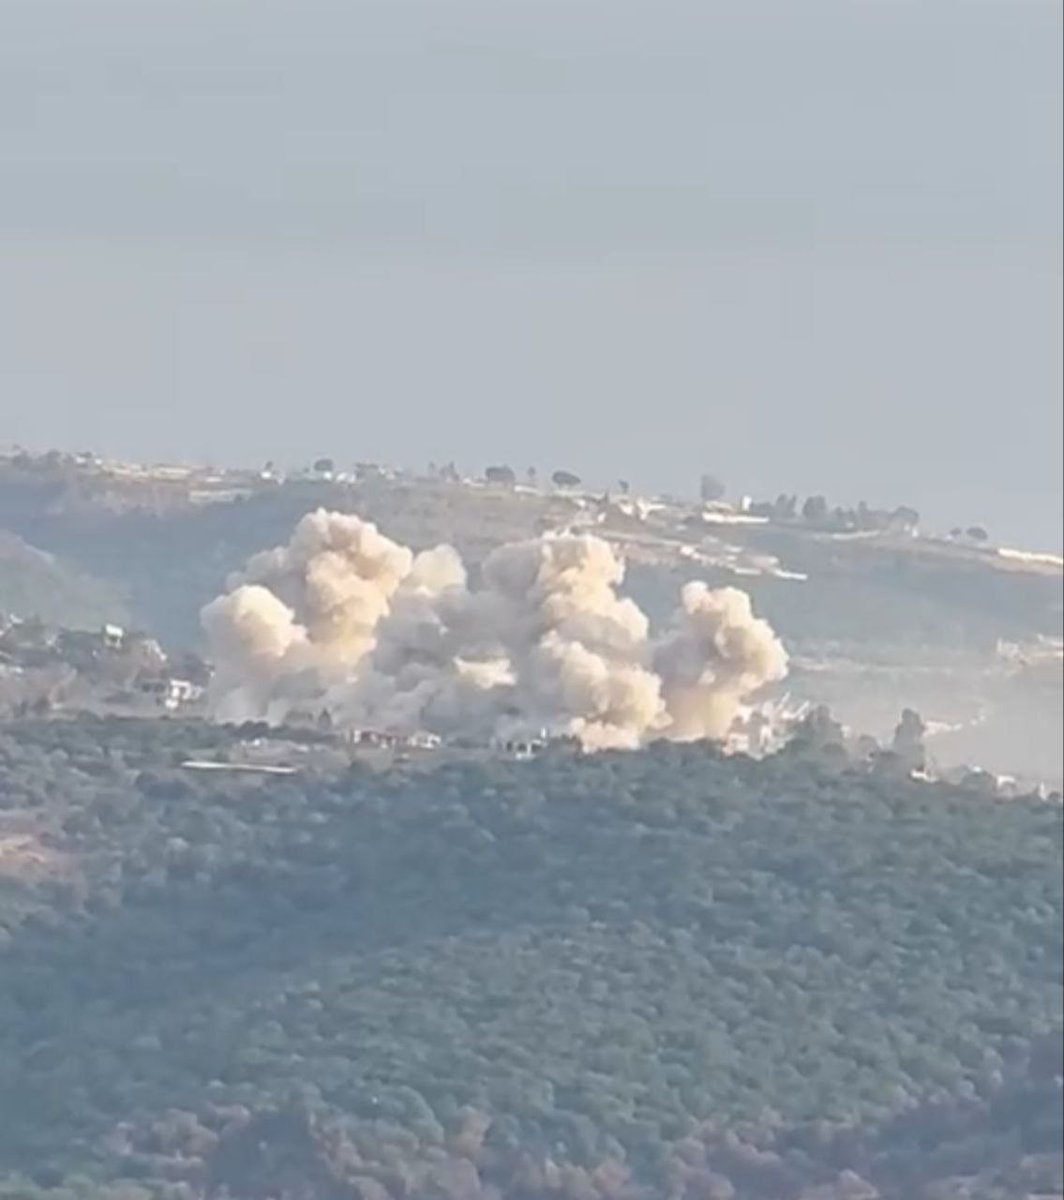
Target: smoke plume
[[345, 619]]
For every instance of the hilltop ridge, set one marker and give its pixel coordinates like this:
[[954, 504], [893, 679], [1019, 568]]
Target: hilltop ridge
[[876, 614]]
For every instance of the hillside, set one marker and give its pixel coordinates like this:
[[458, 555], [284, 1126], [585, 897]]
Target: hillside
[[36, 584], [170, 542], [663, 974], [873, 623]]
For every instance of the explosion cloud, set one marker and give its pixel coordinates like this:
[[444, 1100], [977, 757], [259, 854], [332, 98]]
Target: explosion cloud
[[346, 619]]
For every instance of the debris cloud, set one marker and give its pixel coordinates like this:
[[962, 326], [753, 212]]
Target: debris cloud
[[347, 620]]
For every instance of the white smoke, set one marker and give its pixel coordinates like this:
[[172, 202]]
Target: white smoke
[[256, 643], [346, 619], [715, 655]]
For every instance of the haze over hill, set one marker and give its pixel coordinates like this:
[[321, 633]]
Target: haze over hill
[[660, 234], [873, 618]]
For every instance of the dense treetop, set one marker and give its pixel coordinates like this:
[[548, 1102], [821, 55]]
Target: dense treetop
[[651, 975]]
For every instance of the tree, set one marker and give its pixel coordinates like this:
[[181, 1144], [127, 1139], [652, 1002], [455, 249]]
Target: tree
[[977, 533], [815, 510], [565, 479], [908, 743], [503, 475], [818, 734], [324, 466], [710, 489], [904, 517], [785, 508]]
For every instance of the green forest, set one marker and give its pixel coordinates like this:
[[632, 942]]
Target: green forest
[[664, 975]]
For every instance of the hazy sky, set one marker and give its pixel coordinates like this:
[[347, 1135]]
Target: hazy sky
[[809, 246]]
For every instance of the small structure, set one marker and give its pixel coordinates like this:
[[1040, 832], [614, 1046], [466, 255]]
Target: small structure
[[422, 740], [522, 748], [373, 739], [113, 636], [170, 693]]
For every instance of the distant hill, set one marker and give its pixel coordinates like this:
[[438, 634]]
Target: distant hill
[[36, 583], [171, 557], [873, 622], [169, 545]]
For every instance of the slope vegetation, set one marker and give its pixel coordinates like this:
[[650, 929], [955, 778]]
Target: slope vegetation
[[663, 974]]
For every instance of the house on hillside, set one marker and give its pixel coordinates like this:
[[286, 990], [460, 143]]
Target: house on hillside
[[113, 637], [169, 693]]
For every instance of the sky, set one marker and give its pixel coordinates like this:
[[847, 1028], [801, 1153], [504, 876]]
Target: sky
[[806, 247]]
